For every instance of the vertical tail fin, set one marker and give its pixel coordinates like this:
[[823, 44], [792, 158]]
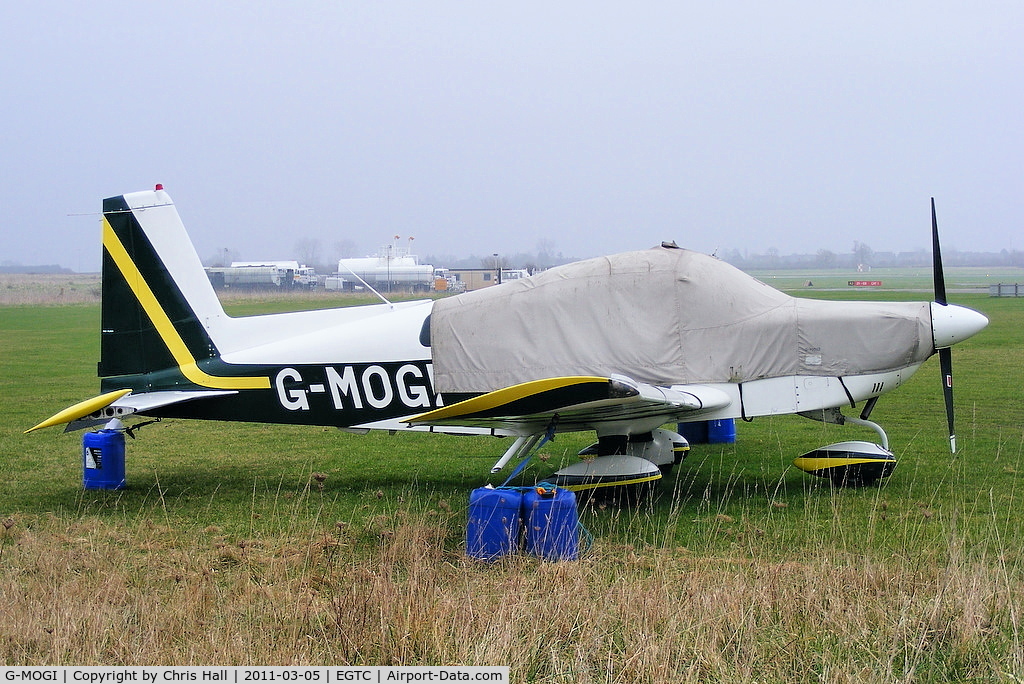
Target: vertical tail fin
[[158, 304]]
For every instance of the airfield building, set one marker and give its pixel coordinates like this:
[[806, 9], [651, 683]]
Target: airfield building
[[392, 268], [263, 274]]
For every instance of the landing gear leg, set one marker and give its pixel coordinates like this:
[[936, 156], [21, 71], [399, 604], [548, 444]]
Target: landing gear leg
[[874, 426]]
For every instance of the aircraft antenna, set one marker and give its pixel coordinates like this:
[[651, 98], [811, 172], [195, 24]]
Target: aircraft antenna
[[368, 286]]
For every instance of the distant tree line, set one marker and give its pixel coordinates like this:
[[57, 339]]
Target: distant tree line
[[544, 257], [312, 253], [863, 255], [9, 267]]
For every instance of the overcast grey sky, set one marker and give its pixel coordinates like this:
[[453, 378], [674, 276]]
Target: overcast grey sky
[[481, 127]]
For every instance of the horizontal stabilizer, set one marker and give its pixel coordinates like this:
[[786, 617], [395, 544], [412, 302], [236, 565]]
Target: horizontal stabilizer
[[141, 403], [81, 409], [118, 403]]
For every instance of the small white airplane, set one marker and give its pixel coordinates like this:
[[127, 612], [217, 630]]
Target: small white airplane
[[619, 345]]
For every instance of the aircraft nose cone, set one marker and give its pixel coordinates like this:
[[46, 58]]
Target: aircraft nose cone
[[952, 324]]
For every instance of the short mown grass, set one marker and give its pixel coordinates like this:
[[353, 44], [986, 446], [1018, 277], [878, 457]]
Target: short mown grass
[[242, 543]]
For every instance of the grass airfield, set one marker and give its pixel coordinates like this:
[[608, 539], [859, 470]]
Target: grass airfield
[[253, 544]]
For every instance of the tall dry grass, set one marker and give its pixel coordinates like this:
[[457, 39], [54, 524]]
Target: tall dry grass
[[18, 289], [397, 589]]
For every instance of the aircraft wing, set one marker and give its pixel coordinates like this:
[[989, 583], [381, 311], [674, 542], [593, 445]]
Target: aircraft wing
[[579, 402]]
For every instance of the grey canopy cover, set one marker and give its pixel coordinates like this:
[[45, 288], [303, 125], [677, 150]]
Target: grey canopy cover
[[663, 316]]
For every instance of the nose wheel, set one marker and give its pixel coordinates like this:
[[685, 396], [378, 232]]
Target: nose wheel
[[853, 463], [849, 464]]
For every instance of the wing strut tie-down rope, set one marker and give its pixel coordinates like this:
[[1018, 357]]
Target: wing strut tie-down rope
[[549, 435]]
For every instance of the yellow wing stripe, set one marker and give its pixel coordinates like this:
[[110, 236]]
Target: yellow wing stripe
[[81, 409], [614, 483], [506, 395], [810, 465], [186, 362]]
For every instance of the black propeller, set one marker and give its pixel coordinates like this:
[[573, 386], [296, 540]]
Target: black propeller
[[945, 354]]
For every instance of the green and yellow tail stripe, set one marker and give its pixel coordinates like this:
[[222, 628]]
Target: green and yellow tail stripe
[[168, 333]]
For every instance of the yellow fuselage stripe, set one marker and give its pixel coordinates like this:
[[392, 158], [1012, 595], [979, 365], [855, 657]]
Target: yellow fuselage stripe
[[186, 362]]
